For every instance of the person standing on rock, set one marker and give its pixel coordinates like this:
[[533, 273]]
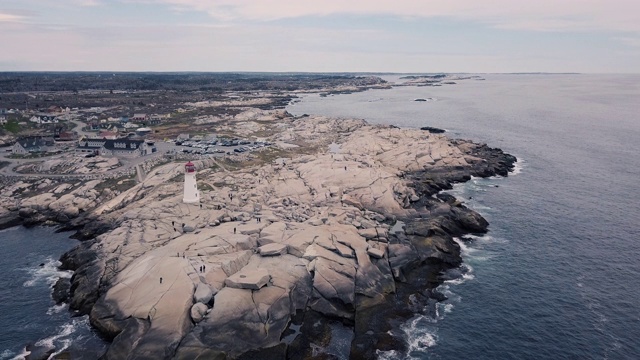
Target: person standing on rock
[[234, 230], [160, 280]]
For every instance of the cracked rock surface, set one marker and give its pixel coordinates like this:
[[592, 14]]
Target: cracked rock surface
[[279, 255]]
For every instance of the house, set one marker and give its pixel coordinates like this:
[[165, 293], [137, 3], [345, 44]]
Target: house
[[157, 119], [183, 137], [59, 134], [4, 111], [140, 117], [122, 147], [44, 119], [32, 144]]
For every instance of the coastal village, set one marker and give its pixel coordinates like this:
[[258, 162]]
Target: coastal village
[[231, 229]]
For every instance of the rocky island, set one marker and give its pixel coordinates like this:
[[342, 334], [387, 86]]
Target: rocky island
[[317, 246]]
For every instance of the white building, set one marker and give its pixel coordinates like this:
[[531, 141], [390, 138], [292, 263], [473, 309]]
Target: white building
[[115, 147], [191, 193]]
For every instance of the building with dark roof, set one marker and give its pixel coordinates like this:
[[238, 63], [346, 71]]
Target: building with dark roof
[[123, 147], [32, 144]]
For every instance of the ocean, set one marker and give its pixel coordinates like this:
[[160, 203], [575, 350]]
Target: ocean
[[558, 274], [28, 315]]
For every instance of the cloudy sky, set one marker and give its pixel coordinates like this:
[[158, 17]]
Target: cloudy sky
[[594, 36]]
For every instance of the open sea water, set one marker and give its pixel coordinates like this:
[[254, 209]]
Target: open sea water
[[28, 315], [558, 274]]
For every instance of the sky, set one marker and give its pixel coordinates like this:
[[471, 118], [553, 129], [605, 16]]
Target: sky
[[410, 36]]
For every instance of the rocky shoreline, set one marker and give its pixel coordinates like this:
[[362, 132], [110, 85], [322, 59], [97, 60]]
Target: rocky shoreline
[[282, 259]]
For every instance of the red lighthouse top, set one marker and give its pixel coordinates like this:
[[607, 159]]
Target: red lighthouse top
[[189, 167]]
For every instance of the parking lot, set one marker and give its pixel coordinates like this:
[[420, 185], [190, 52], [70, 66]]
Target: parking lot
[[217, 146]]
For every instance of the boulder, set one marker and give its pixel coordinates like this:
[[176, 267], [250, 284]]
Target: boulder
[[60, 292], [373, 233], [198, 312], [203, 293], [376, 253], [252, 279], [273, 249]]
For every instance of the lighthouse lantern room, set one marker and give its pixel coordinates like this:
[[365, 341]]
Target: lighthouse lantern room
[[191, 193]]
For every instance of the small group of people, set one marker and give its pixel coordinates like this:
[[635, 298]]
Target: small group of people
[[203, 268]]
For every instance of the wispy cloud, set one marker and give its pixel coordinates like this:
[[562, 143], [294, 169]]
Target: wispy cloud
[[326, 35], [11, 18], [538, 15]]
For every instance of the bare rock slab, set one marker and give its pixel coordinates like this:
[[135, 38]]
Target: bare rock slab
[[375, 253], [252, 279], [273, 249]]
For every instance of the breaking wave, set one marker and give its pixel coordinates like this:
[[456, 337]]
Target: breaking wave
[[46, 273]]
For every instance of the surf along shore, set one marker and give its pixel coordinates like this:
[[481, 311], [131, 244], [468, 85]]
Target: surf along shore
[[292, 251]]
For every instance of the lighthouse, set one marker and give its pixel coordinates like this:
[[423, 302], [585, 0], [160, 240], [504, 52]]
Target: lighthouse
[[191, 194]]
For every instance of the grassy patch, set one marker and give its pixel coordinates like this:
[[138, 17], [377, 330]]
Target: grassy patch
[[177, 178], [202, 186], [12, 126], [120, 184]]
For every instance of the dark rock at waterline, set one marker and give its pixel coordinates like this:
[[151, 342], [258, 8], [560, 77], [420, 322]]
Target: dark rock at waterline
[[10, 220], [89, 228], [432, 130], [277, 352], [61, 289], [448, 198], [78, 256], [132, 331], [469, 221], [39, 352], [101, 317], [85, 282], [85, 286], [436, 295]]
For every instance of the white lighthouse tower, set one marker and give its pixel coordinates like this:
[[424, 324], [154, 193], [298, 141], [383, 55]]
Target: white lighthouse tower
[[191, 194]]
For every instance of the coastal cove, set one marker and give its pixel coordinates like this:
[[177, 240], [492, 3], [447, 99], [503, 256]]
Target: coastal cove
[[557, 274], [30, 318]]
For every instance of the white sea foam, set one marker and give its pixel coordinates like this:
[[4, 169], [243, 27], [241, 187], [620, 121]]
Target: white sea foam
[[461, 280], [22, 356], [9, 354], [63, 339], [418, 334], [517, 167], [466, 250], [56, 309], [47, 273], [448, 308], [388, 355]]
